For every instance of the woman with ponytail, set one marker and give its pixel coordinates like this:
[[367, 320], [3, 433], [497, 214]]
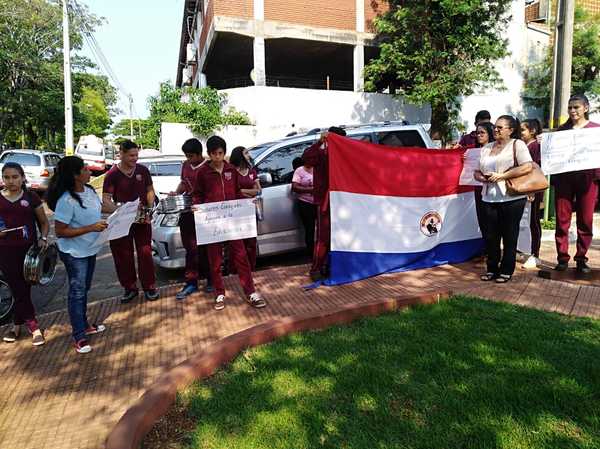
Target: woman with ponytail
[[575, 190], [77, 223]]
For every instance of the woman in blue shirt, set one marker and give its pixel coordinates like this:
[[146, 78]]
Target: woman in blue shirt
[[78, 221]]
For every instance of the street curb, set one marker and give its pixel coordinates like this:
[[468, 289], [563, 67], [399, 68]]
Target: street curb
[[155, 402]]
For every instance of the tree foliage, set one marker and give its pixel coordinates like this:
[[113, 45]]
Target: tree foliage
[[435, 51], [585, 68], [202, 108], [31, 78]]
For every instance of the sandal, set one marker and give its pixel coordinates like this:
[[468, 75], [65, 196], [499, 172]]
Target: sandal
[[503, 279], [487, 277]]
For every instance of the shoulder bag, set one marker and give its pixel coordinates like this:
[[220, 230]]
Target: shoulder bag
[[531, 183]]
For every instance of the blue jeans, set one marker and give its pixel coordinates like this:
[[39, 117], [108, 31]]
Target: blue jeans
[[80, 271]]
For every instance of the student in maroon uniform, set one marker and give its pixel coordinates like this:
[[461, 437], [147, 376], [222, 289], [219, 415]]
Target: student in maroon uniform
[[20, 208], [530, 130], [316, 156], [470, 140], [196, 257], [124, 182], [218, 181], [576, 189], [249, 188]]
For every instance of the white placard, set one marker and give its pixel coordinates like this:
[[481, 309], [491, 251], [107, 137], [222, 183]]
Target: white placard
[[224, 221], [524, 241], [565, 151], [471, 163], [119, 223]]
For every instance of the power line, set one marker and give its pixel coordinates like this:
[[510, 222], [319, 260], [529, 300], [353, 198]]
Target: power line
[[98, 54]]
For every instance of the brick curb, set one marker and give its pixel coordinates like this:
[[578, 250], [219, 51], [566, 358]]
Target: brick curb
[[154, 403]]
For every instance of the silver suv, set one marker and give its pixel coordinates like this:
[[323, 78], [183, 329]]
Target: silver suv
[[281, 230], [37, 165]]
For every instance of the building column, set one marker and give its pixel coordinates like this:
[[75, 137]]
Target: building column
[[359, 65], [260, 76]]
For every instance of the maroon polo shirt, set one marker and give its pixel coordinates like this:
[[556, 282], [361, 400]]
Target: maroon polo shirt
[[125, 188], [188, 178], [248, 181], [19, 213]]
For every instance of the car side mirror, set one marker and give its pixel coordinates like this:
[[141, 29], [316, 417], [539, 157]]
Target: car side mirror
[[265, 179]]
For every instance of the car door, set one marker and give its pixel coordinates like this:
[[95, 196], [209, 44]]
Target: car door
[[280, 229]]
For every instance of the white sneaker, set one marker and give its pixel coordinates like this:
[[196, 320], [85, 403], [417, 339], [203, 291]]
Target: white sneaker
[[531, 263], [220, 302], [255, 300]]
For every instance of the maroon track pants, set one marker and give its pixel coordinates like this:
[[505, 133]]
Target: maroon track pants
[[11, 265], [140, 235], [240, 261], [580, 190]]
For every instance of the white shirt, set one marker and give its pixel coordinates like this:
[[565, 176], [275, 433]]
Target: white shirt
[[495, 192]]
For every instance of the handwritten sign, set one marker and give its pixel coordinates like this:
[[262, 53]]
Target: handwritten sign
[[119, 223], [565, 151], [224, 221], [471, 163]]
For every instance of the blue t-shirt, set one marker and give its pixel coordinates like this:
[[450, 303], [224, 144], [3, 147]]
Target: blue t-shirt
[[69, 212]]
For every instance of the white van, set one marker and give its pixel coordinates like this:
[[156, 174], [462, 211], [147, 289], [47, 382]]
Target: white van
[[97, 155]]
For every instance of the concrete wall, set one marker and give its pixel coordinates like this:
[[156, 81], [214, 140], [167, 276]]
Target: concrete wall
[[280, 107], [511, 70]]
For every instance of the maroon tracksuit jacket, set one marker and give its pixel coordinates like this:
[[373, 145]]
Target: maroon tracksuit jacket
[[212, 186], [316, 155]]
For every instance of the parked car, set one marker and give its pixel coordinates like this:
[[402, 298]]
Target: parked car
[[281, 230], [97, 155], [165, 172], [37, 165]]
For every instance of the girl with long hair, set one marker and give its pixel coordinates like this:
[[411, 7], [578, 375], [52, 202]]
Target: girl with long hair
[[78, 221], [575, 190], [249, 188], [530, 130], [20, 211]]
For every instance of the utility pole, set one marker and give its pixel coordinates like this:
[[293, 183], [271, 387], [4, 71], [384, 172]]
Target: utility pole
[[131, 116], [561, 72], [563, 57], [67, 77]]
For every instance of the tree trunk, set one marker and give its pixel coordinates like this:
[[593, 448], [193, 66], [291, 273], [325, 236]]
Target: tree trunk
[[440, 122]]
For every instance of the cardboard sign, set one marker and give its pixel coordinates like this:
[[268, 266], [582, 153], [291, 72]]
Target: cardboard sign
[[565, 151], [224, 221]]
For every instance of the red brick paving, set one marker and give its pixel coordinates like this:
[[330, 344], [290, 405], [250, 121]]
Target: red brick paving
[[54, 398]]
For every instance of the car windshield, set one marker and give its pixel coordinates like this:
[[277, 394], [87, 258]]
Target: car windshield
[[171, 168], [84, 149], [24, 159], [259, 149]]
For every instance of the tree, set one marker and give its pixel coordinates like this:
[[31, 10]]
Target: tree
[[586, 65], [436, 51], [31, 79], [201, 108]]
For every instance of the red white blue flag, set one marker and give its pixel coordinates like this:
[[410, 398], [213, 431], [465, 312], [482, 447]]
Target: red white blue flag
[[397, 209]]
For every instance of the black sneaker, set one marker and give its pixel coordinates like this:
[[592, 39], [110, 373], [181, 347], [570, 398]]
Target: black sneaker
[[583, 267], [561, 266], [151, 295], [128, 296]]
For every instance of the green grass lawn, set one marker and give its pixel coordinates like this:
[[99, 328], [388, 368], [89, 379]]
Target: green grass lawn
[[465, 373]]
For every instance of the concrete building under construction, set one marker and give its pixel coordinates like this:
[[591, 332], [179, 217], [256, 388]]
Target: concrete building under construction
[[315, 44]]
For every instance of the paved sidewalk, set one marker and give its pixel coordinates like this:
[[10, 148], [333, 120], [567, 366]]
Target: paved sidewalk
[[52, 397]]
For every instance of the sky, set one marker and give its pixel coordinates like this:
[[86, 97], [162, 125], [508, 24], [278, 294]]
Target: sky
[[140, 40]]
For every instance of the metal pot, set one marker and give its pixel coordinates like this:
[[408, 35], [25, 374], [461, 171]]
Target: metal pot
[[39, 266]]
